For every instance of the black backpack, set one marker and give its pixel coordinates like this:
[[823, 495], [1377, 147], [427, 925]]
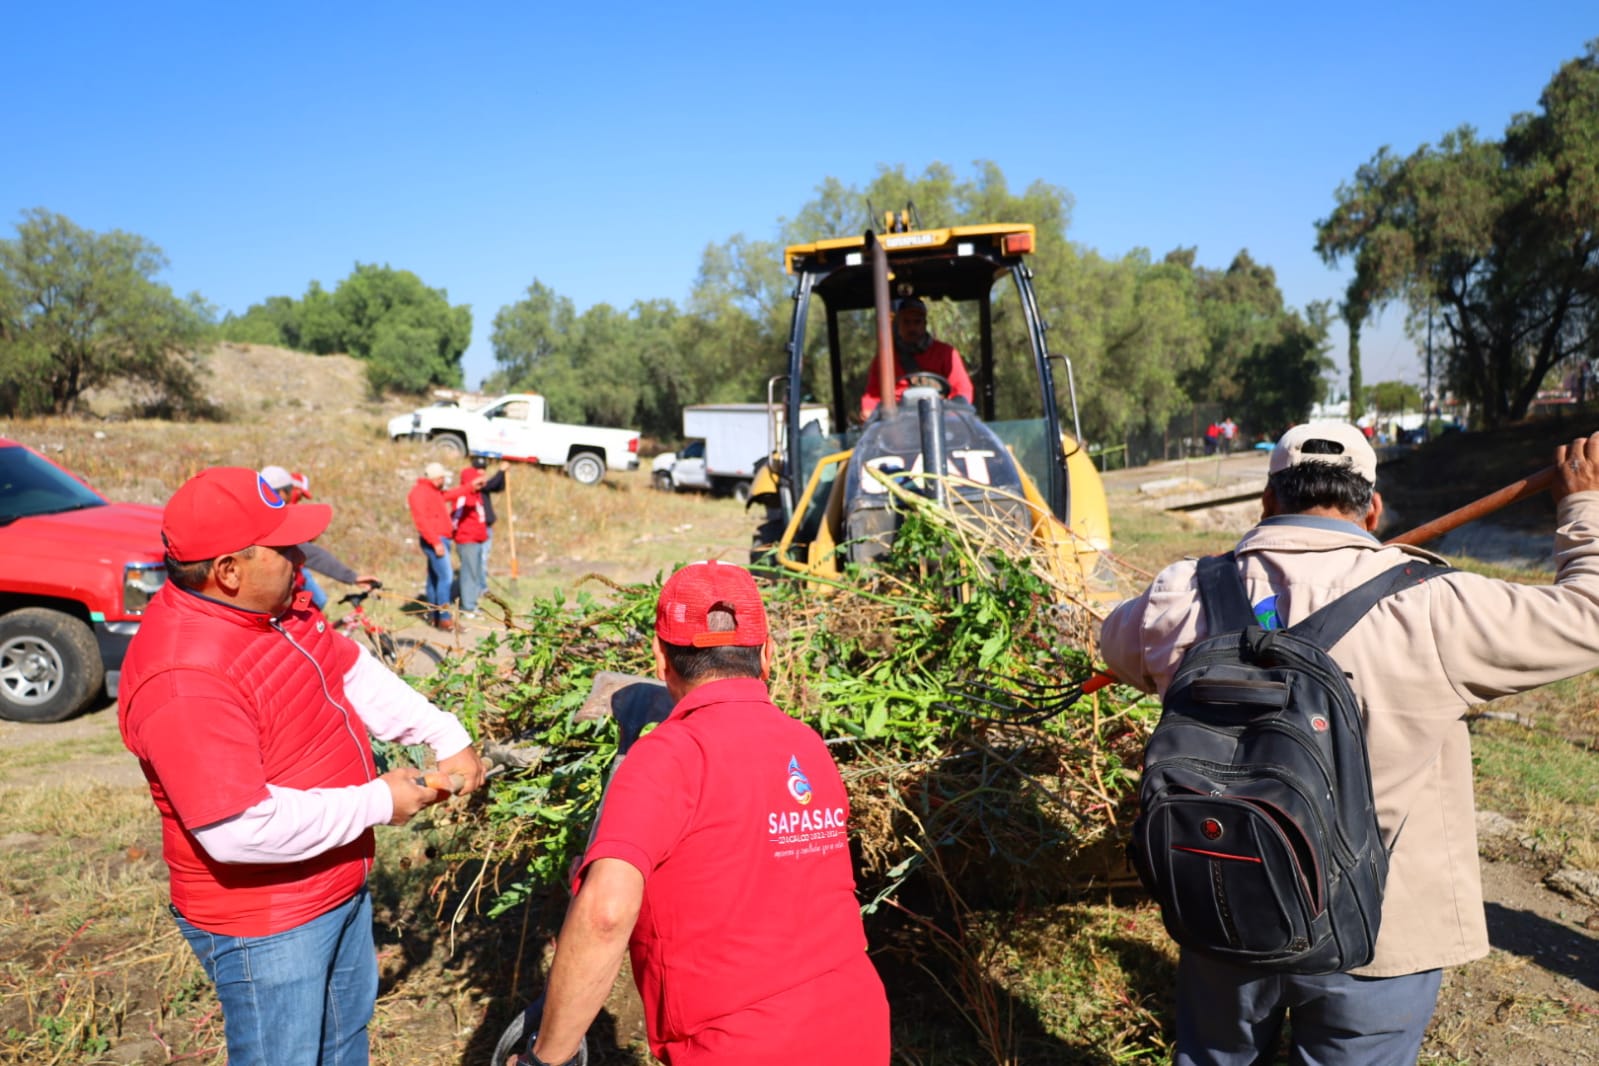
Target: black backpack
[[1257, 832]]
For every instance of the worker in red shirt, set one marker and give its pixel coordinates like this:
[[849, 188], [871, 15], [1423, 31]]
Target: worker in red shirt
[[469, 519], [721, 862], [916, 351], [430, 512]]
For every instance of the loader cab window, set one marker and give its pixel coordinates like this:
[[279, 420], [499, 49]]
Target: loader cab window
[[1004, 361]]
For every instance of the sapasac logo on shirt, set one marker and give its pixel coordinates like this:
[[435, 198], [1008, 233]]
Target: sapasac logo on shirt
[[804, 826], [799, 786]]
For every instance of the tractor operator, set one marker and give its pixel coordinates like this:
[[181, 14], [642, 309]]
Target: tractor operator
[[721, 858], [916, 351]]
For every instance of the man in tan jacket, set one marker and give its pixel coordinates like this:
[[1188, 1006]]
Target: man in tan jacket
[[1417, 663]]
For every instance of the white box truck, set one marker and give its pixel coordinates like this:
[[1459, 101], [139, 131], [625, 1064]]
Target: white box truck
[[725, 442]]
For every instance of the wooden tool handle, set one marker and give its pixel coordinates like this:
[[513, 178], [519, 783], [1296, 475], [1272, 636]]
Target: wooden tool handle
[[444, 782]]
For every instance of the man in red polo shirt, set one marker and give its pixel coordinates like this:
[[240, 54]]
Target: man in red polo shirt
[[250, 717], [721, 861]]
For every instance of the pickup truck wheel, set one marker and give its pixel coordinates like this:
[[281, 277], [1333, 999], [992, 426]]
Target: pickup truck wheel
[[586, 468], [50, 665], [451, 443], [663, 481]]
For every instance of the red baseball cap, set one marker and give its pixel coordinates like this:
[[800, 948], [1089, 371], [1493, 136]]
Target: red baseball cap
[[224, 509], [690, 595]]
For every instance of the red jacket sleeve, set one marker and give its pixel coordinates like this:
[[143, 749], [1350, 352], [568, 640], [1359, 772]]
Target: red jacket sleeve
[[429, 512]]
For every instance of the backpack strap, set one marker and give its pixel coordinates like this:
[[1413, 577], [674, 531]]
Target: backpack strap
[[1223, 596], [1327, 626]]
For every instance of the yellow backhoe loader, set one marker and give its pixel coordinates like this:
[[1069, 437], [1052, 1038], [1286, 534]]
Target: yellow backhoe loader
[[1012, 454]]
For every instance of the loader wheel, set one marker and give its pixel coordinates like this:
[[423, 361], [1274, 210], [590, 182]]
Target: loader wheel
[[586, 468], [50, 665]]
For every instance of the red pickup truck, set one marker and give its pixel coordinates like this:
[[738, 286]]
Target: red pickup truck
[[76, 572]]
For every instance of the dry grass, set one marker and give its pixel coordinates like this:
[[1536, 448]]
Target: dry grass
[[88, 959]]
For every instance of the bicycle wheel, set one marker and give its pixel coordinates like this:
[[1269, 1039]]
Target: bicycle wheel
[[407, 656]]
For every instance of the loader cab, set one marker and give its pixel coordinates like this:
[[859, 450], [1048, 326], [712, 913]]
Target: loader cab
[[976, 285]]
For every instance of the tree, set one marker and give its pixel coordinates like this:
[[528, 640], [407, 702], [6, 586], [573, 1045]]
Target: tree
[[528, 335], [272, 322], [1395, 397], [604, 366], [1285, 370], [1137, 334], [409, 334], [1242, 309], [1502, 238], [80, 310]]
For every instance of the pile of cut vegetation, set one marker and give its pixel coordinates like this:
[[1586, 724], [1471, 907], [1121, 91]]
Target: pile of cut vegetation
[[943, 678]]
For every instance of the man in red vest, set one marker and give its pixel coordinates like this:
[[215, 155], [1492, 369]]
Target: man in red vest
[[250, 717], [916, 351], [721, 860]]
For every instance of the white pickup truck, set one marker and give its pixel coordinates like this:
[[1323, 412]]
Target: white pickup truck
[[513, 427], [725, 443]]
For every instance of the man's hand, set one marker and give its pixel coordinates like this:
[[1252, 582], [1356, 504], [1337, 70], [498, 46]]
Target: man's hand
[[438, 549], [366, 581], [469, 765], [410, 797], [1576, 467]]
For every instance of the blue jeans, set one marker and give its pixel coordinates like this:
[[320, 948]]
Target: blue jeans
[[302, 997], [1229, 1016], [474, 579], [441, 574]]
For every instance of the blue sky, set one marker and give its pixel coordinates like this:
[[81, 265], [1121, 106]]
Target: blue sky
[[601, 150]]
